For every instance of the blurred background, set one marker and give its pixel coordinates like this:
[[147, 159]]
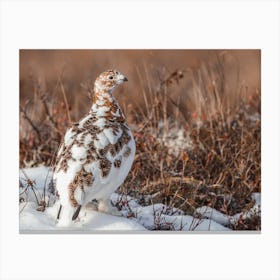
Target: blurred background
[[235, 72]]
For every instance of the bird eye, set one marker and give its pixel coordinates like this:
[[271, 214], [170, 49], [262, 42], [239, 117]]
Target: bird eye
[[111, 77]]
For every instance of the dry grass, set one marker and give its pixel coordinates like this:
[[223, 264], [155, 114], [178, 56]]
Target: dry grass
[[216, 164]]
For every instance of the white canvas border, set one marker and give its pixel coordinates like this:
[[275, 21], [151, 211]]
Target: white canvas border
[[157, 24]]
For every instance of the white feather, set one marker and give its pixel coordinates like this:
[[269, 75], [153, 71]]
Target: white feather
[[68, 138], [88, 139], [113, 139], [78, 153], [81, 123], [102, 185], [100, 122]]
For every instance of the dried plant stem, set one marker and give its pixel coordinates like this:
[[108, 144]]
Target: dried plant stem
[[65, 101], [30, 184], [31, 123]]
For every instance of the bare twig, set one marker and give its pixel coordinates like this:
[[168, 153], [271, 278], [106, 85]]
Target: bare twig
[[31, 123], [65, 100]]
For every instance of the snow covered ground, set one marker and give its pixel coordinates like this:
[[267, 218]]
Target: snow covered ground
[[134, 216]]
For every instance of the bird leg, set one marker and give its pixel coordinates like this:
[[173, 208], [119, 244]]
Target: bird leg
[[76, 214], [59, 211], [68, 219]]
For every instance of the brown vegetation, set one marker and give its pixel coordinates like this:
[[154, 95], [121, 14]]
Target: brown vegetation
[[197, 127]]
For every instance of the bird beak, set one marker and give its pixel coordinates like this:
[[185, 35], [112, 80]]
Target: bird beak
[[122, 78]]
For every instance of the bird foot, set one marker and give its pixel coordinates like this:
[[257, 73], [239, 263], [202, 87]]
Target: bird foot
[[93, 205], [106, 206], [68, 214]]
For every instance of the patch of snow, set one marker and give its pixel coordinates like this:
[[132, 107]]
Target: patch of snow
[[135, 217], [41, 178], [31, 219], [226, 220], [253, 117], [257, 198], [39, 174], [156, 220], [255, 210], [178, 140], [211, 213], [162, 217]]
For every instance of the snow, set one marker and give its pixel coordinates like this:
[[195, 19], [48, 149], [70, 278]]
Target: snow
[[159, 216], [31, 219], [134, 217], [255, 210], [211, 213], [177, 140], [253, 117]]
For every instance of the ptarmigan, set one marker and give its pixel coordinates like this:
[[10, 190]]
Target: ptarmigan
[[96, 155]]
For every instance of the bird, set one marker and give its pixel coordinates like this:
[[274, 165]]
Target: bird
[[95, 155]]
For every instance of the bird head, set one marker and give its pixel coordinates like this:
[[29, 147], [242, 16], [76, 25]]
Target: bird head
[[109, 80]]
